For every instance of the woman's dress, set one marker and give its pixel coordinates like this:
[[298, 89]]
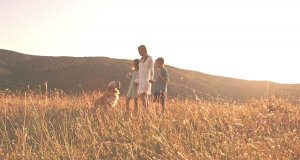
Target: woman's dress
[[146, 72]]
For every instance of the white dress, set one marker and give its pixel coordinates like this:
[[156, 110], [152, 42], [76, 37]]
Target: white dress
[[146, 72]]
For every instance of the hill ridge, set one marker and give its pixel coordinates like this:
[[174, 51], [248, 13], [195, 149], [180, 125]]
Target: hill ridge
[[17, 70]]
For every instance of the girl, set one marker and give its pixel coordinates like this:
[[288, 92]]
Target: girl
[[144, 79], [132, 91]]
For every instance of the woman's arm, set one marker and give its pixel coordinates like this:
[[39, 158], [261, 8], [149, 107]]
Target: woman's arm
[[151, 67]]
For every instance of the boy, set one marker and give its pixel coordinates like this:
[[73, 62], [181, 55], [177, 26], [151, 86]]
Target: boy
[[160, 84]]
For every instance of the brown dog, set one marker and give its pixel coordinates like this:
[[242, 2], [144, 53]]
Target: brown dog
[[110, 97]]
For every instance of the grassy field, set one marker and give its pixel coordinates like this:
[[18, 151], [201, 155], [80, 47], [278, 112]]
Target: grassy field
[[33, 126]]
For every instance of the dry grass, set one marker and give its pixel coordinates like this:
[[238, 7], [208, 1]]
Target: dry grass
[[62, 127]]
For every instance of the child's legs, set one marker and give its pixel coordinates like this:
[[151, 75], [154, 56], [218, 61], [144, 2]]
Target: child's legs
[[136, 105], [127, 103], [163, 100], [156, 97]]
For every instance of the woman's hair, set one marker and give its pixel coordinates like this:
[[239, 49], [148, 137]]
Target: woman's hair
[[136, 64], [141, 47]]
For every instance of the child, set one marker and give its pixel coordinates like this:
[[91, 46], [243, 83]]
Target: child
[[132, 91], [160, 84]]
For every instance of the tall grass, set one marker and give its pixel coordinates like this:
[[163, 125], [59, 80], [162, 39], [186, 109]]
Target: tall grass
[[33, 126]]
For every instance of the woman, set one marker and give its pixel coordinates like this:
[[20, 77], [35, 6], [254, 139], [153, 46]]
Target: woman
[[145, 75]]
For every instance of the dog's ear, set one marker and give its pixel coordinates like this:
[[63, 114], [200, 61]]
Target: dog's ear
[[111, 86], [118, 84]]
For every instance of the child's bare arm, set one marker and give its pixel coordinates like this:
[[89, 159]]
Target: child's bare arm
[[163, 75], [129, 75], [136, 81], [163, 79]]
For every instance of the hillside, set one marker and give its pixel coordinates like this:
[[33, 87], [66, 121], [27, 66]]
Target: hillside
[[17, 71]]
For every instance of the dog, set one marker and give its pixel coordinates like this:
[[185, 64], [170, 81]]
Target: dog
[[110, 97]]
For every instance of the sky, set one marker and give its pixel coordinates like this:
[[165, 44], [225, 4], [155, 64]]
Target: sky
[[254, 40]]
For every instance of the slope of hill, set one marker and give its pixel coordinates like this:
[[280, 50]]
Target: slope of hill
[[17, 71]]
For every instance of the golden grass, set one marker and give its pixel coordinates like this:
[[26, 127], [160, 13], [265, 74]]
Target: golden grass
[[62, 127]]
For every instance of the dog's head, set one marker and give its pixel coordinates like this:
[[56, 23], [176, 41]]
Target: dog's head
[[114, 86]]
